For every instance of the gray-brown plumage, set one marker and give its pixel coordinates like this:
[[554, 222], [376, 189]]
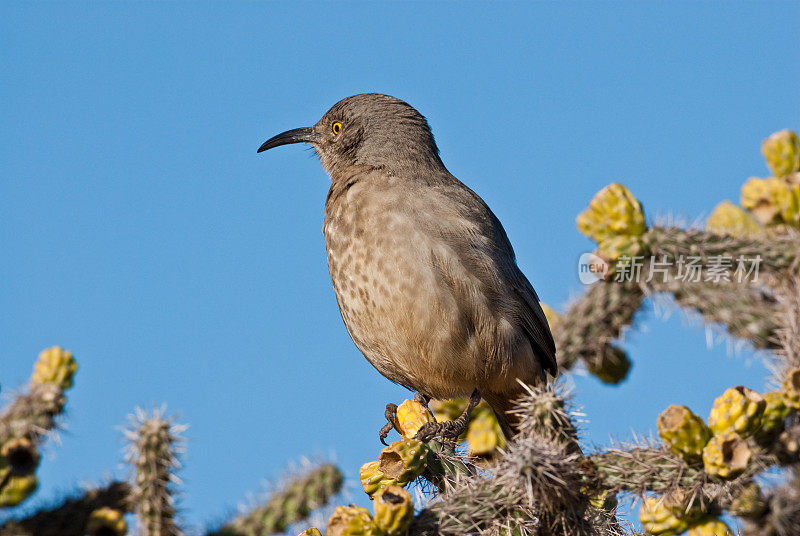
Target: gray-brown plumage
[[423, 271]]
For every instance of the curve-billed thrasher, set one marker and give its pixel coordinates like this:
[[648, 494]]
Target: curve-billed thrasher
[[423, 271]]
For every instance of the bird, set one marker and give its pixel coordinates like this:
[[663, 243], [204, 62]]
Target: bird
[[424, 274]]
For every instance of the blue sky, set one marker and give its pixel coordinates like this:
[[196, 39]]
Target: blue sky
[[140, 229]]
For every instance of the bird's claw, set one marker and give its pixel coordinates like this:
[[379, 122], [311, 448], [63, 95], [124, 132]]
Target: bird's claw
[[451, 430], [391, 422], [446, 430]]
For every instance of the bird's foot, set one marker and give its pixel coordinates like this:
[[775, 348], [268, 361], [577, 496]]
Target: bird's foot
[[449, 429], [391, 422]]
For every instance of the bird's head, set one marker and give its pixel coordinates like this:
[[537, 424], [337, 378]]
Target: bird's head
[[369, 129]]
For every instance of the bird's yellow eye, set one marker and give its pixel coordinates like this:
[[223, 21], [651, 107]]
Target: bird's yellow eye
[[336, 127]]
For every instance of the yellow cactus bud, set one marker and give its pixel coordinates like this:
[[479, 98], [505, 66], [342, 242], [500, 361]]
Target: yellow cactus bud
[[739, 410], [613, 211], [394, 510], [56, 366], [20, 456], [448, 410], [710, 527], [726, 455], [411, 415], [403, 460], [605, 500], [552, 316], [749, 502], [106, 521], [373, 479], [610, 367], [484, 434], [790, 213], [728, 219], [791, 389], [17, 489], [775, 414], [351, 521], [313, 531], [659, 519], [684, 432], [782, 151], [615, 247], [765, 198]]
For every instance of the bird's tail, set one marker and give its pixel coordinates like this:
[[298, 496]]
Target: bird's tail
[[502, 404]]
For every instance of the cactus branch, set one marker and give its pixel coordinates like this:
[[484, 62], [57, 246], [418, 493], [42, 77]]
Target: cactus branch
[[537, 486], [290, 504], [747, 311], [33, 414], [155, 444], [70, 517], [779, 254], [595, 320]]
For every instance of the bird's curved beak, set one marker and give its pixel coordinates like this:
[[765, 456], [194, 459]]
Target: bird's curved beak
[[296, 135]]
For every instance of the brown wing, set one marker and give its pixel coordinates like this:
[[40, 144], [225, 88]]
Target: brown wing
[[536, 326], [483, 246]]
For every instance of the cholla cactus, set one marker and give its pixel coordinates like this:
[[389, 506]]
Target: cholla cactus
[[728, 219], [613, 211], [293, 501], [615, 220], [774, 417], [782, 151], [765, 198], [590, 324], [16, 489], [660, 518], [351, 521], [403, 460], [71, 516], [106, 521], [791, 389], [373, 479], [547, 412], [56, 366], [26, 421], [33, 414], [684, 432], [779, 254], [484, 435], [747, 312], [748, 502], [448, 409], [710, 527], [411, 416], [610, 366], [605, 500], [726, 455], [155, 445], [394, 510], [18, 457], [790, 213], [739, 410]]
